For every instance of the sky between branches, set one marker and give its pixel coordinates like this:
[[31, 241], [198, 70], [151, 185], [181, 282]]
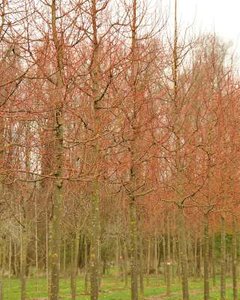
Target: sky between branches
[[219, 16]]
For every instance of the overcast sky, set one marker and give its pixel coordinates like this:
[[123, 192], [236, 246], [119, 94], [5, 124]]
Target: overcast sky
[[219, 16]]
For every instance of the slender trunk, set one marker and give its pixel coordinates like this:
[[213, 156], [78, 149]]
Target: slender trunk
[[95, 199], [168, 262], [125, 263], [179, 267], [156, 253], [1, 265], [72, 280], [141, 276], [15, 261], [74, 264], [77, 249], [1, 290], [55, 230], [117, 258], [47, 251], [183, 255], [164, 256], [64, 256], [4, 258], [23, 262], [94, 249], [223, 259], [191, 255], [54, 236], [213, 260], [195, 256], [10, 258], [85, 266], [133, 250], [180, 177], [148, 259], [174, 255], [206, 258], [174, 245], [234, 260], [200, 257], [36, 236], [36, 240], [133, 170]]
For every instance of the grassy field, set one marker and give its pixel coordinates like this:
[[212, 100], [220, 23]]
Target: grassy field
[[111, 289]]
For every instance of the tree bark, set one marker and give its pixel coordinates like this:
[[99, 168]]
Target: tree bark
[[174, 255], [148, 259], [23, 261], [54, 228], [168, 262], [164, 256], [213, 260], [85, 266], [125, 263], [183, 255], [74, 264], [141, 266], [36, 235], [195, 256], [234, 259], [94, 248], [64, 255], [133, 250], [156, 253], [223, 259], [206, 257], [10, 258]]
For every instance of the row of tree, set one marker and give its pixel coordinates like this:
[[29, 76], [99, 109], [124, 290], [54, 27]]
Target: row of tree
[[118, 145]]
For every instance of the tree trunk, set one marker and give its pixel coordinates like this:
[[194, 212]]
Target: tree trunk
[[183, 255], [125, 263], [200, 257], [234, 260], [141, 265], [55, 229], [74, 264], [85, 266], [118, 272], [156, 253], [213, 260], [94, 248], [64, 256], [148, 259], [4, 258], [195, 256], [1, 290], [164, 255], [174, 255], [206, 258], [23, 261], [223, 259], [133, 250], [47, 251], [36, 235], [95, 199], [10, 258], [168, 262], [179, 267]]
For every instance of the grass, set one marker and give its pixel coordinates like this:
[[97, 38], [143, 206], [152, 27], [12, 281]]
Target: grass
[[111, 289]]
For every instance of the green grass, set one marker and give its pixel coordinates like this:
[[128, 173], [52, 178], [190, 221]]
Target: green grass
[[111, 289]]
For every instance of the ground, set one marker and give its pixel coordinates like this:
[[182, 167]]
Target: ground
[[112, 289]]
